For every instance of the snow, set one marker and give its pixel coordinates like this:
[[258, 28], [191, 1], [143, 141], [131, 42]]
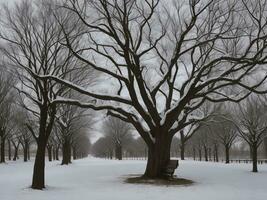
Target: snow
[[100, 179]]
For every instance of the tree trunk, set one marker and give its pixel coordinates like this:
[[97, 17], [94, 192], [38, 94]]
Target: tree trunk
[[206, 153], [38, 180], [158, 156], [49, 152], [216, 153], [15, 152], [200, 154], [57, 153], [194, 153], [74, 153], [227, 154], [28, 151], [118, 152], [9, 150], [182, 150], [25, 152], [182, 146], [54, 153], [3, 141], [66, 151], [254, 150], [210, 157], [265, 146]]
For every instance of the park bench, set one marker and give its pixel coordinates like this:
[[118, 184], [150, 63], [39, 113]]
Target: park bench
[[168, 171]]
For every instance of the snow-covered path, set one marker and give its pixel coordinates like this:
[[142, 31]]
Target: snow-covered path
[[96, 179]]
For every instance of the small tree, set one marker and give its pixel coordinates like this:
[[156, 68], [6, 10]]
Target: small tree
[[119, 133], [251, 122], [225, 132]]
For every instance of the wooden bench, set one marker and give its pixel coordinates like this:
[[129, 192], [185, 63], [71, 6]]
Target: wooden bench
[[170, 168]]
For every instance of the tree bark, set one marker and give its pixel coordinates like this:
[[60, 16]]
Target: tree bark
[[118, 151], [38, 180], [227, 154], [216, 153], [3, 158], [194, 153], [25, 152], [9, 150], [182, 150], [49, 152], [54, 153], [182, 146], [28, 151], [66, 151], [200, 154], [209, 151], [206, 153], [158, 156], [15, 153], [74, 153], [254, 150], [57, 153]]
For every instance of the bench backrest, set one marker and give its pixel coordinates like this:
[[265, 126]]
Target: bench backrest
[[173, 164]]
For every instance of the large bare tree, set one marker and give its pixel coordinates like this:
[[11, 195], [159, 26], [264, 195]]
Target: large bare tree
[[164, 59]]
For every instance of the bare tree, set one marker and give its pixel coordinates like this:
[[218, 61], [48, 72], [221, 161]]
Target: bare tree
[[6, 111], [194, 50], [225, 132], [81, 145], [32, 47], [251, 122], [119, 133], [103, 147]]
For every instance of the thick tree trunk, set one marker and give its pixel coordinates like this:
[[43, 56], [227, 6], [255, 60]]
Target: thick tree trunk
[[38, 180], [118, 152], [9, 150], [254, 150], [227, 154], [66, 151], [3, 158], [158, 156]]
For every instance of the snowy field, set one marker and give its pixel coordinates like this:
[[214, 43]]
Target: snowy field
[[96, 179]]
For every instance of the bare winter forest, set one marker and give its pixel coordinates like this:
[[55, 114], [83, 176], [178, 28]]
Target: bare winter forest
[[118, 94]]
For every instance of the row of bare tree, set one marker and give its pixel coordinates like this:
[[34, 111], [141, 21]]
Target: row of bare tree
[[153, 64]]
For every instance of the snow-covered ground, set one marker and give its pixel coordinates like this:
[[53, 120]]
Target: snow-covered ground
[[96, 179]]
